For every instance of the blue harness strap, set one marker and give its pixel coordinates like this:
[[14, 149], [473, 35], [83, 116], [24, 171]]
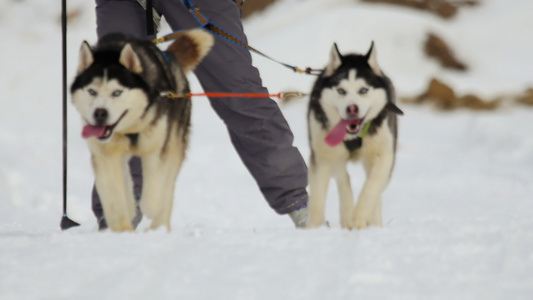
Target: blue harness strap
[[165, 54]]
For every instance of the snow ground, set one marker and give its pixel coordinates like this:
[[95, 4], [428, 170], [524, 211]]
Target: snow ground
[[458, 209]]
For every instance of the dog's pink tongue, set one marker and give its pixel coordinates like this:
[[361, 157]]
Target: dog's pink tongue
[[89, 131], [337, 134]]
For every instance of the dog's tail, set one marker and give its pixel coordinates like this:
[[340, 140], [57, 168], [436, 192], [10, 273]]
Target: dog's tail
[[191, 47]]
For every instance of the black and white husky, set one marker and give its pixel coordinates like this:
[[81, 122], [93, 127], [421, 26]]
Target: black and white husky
[[351, 116], [120, 92]]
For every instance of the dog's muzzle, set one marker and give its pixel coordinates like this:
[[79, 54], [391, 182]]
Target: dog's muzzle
[[101, 132]]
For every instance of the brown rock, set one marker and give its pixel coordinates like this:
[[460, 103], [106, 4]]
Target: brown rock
[[476, 103], [526, 98], [441, 8], [444, 97], [435, 47], [439, 93]]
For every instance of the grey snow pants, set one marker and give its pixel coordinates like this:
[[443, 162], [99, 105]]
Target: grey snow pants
[[258, 131]]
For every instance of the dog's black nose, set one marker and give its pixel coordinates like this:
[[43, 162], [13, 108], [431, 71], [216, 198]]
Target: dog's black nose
[[352, 110], [100, 116]]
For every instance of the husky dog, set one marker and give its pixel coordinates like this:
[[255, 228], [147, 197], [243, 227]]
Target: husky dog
[[351, 116], [120, 92]]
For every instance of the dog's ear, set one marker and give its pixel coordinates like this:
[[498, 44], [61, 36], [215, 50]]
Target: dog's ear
[[86, 57], [130, 60], [335, 60], [393, 108], [372, 59]]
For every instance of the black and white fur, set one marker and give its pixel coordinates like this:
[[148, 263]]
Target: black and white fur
[[119, 92], [351, 87]]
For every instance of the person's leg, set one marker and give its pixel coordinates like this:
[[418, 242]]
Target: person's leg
[[257, 128], [126, 17]]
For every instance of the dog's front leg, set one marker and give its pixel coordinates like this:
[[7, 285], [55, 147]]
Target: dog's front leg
[[367, 212], [319, 177], [128, 185], [378, 159], [151, 202], [109, 181], [168, 173], [346, 204]]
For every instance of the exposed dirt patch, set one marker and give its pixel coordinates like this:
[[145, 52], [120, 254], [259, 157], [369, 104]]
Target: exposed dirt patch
[[442, 8], [442, 96], [526, 98], [435, 47]]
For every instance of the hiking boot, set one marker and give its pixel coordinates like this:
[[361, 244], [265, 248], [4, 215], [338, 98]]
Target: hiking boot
[[299, 216]]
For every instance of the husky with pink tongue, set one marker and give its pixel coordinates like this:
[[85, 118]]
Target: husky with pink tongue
[[352, 116], [121, 92]]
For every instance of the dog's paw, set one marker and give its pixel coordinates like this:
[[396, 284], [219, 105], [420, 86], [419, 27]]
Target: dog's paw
[[360, 224], [315, 222], [347, 223], [346, 219], [120, 225], [161, 220], [361, 218]]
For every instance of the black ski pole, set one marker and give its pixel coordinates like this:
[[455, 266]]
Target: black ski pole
[[66, 223]]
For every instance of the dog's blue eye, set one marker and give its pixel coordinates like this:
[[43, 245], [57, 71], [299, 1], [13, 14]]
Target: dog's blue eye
[[341, 91], [92, 92], [363, 91], [117, 93]]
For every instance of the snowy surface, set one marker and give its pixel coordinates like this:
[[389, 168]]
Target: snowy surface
[[458, 209]]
